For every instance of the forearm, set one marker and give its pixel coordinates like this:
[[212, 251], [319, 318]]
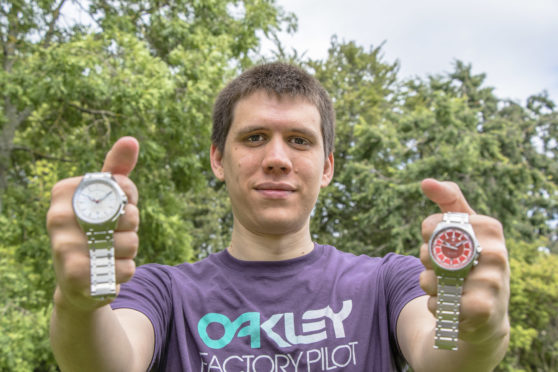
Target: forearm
[[479, 350], [89, 340], [470, 357]]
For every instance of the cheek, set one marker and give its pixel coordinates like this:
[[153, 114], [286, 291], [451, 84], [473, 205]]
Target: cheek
[[239, 169]]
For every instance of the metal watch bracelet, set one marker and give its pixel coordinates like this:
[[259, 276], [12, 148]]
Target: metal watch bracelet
[[449, 299], [101, 253], [456, 217], [447, 312]]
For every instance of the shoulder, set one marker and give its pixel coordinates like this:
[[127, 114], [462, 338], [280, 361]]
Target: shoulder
[[401, 262], [389, 261], [156, 270]]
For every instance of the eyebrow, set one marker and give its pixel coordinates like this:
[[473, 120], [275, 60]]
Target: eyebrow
[[257, 128]]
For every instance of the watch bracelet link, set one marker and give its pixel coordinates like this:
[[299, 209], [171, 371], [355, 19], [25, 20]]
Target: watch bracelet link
[[101, 254], [97, 175], [456, 217], [447, 312]]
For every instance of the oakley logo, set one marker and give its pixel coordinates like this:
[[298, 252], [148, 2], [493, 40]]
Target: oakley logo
[[314, 327]]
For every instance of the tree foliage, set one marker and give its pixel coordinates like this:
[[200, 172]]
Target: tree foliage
[[152, 69], [145, 68], [534, 320], [393, 134]]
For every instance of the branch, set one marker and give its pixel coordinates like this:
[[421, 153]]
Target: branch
[[93, 111], [55, 16], [38, 155]]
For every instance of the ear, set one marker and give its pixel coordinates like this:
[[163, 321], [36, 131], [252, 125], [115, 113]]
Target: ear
[[328, 170], [217, 162]]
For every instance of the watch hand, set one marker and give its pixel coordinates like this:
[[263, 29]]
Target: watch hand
[[447, 245], [90, 198], [461, 243], [104, 197]]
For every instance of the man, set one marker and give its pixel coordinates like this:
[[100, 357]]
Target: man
[[273, 300]]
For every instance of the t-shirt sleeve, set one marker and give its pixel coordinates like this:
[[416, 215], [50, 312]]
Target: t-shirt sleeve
[[402, 284], [149, 292]]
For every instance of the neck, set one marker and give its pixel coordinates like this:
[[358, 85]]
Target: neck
[[249, 246]]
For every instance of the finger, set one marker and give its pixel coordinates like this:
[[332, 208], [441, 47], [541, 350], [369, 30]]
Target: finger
[[429, 225], [63, 191], [425, 256], [130, 220], [126, 245], [128, 187], [433, 304], [429, 282], [447, 195], [124, 269], [122, 157], [72, 271]]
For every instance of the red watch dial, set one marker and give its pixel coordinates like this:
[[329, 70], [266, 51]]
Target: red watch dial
[[452, 248]]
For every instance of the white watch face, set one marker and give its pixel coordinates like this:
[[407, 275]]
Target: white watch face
[[97, 202]]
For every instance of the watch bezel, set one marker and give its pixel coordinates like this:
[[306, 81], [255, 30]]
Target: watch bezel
[[109, 181], [466, 230], [441, 231]]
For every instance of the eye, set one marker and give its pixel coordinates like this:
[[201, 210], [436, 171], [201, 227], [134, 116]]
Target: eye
[[299, 141], [255, 138]]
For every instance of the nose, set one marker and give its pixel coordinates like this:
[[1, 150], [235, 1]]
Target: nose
[[276, 158]]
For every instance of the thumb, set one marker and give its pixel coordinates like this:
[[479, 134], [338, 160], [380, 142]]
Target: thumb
[[122, 157], [447, 195]]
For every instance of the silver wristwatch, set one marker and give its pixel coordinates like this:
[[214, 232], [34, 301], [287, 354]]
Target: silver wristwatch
[[454, 250], [98, 202]]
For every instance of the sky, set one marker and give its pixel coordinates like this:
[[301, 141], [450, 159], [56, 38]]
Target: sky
[[514, 42]]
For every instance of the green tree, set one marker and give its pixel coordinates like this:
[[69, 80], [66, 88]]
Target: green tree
[[145, 68], [152, 69], [533, 316], [392, 134]]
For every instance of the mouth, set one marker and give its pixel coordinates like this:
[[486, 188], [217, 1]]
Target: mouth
[[275, 190]]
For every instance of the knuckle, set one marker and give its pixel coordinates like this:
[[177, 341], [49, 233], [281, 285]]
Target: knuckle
[[133, 241], [133, 213], [481, 307], [130, 220], [59, 215], [427, 282], [125, 269], [64, 187], [59, 188], [491, 280], [128, 187], [429, 224], [494, 228], [495, 257], [76, 269], [454, 186], [64, 244], [424, 255], [126, 244]]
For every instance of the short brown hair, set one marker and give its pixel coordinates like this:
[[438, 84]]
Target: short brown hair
[[274, 78]]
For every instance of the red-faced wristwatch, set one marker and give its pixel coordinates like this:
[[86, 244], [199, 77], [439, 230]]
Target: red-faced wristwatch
[[454, 250]]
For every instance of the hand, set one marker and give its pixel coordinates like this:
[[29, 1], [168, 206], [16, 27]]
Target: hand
[[484, 303], [69, 244]]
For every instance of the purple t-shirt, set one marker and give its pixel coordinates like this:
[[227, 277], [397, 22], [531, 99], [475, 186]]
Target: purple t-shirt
[[328, 310]]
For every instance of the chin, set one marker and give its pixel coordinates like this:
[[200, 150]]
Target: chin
[[278, 226]]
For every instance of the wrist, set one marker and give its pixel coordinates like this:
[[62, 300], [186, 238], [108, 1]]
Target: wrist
[[77, 304], [491, 348], [492, 334]]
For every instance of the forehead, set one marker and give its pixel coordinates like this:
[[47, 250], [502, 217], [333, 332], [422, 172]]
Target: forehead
[[265, 109]]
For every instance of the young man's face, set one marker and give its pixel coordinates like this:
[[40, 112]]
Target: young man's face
[[273, 163]]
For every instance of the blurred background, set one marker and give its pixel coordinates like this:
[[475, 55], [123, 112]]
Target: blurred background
[[452, 90]]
